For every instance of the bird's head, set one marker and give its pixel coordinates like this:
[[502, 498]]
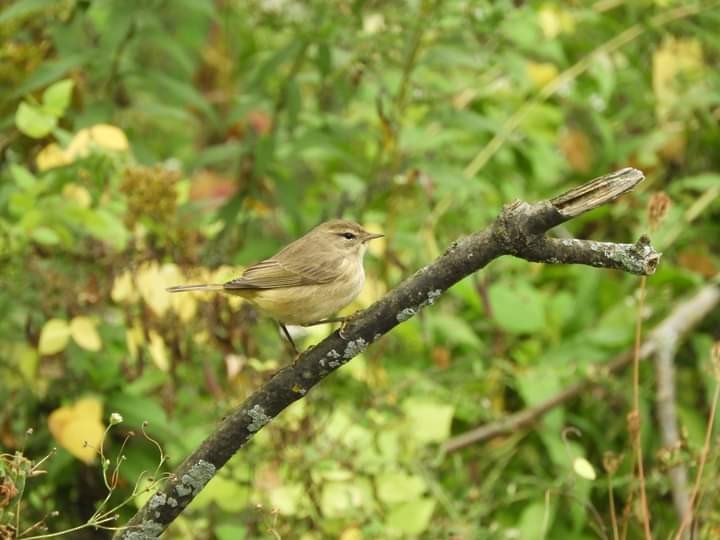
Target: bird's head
[[346, 237]]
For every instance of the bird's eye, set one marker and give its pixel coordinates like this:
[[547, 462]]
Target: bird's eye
[[348, 235]]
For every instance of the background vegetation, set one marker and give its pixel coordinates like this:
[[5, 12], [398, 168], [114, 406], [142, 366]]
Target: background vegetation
[[146, 144]]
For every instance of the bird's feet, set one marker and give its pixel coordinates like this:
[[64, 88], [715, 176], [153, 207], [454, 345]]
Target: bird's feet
[[326, 321]]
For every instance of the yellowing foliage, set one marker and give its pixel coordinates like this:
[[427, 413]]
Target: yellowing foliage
[[541, 73], [78, 428], [676, 66], [54, 336], [85, 334]]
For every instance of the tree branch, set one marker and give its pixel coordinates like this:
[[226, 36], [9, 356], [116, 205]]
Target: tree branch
[[681, 320], [518, 231]]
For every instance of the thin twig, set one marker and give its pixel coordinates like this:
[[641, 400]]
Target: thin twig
[[685, 316], [687, 520], [634, 418], [668, 421]]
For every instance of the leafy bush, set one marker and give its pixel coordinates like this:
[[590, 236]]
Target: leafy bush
[[151, 144]]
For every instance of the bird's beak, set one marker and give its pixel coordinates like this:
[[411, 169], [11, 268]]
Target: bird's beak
[[372, 236]]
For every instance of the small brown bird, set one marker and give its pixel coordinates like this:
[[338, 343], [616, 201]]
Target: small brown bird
[[307, 281]]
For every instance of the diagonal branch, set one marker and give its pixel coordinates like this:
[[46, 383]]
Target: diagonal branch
[[518, 231]]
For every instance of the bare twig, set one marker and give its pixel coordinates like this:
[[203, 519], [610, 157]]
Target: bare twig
[[667, 418], [519, 231], [688, 517], [681, 320], [634, 418]]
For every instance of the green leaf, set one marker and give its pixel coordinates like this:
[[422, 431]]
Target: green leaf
[[412, 517], [45, 235], [48, 72], [56, 97], [23, 178], [532, 524], [428, 421], [518, 309], [294, 103], [453, 330], [346, 498], [34, 121], [23, 8], [288, 500], [324, 59], [106, 226], [396, 487], [700, 182], [226, 493], [231, 532], [350, 183]]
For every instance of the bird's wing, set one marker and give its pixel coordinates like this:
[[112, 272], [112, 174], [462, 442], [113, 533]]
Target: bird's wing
[[274, 274]]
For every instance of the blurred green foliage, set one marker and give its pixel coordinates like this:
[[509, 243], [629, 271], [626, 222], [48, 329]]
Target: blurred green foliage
[[143, 144]]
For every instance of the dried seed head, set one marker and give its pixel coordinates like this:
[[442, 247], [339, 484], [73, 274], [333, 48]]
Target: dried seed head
[[715, 360], [633, 420], [658, 208], [611, 462]]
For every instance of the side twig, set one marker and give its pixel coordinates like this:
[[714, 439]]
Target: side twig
[[681, 320], [668, 420], [518, 231]]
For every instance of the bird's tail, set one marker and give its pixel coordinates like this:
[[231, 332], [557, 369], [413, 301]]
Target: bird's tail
[[199, 287]]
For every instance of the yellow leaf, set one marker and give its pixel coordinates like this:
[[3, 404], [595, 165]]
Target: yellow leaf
[[151, 286], [51, 156], [584, 469], [54, 336], [89, 407], [124, 289], [554, 21], [85, 334], [185, 306], [541, 73], [135, 338], [677, 68], [158, 351], [78, 428], [101, 135], [353, 533], [77, 194]]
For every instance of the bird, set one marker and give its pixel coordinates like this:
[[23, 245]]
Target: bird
[[308, 280]]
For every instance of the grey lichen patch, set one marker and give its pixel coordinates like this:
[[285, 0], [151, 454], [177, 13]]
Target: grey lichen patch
[[195, 479], [354, 347], [333, 359], [432, 296], [405, 314], [148, 530], [259, 418], [157, 500], [410, 312], [172, 502]]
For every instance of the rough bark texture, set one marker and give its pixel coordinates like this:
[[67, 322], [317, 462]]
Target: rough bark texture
[[518, 231]]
